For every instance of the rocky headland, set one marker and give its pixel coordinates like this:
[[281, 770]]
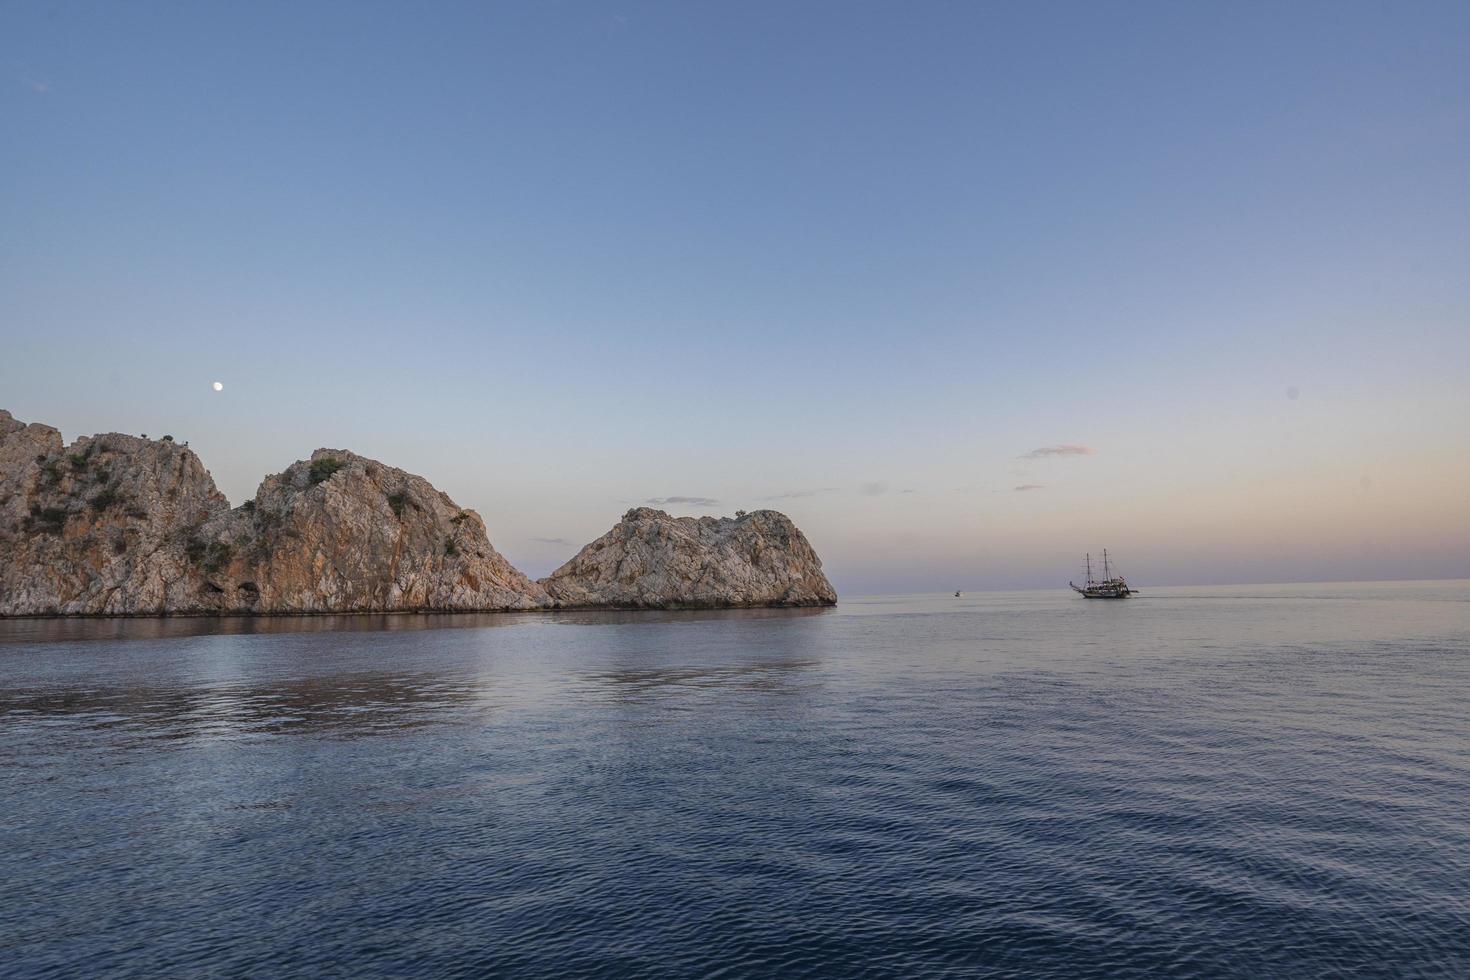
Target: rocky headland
[[117, 525]]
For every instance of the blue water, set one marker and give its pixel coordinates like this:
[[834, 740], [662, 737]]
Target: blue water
[[1248, 782]]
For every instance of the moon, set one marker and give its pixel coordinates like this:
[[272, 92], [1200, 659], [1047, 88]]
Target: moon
[[219, 386]]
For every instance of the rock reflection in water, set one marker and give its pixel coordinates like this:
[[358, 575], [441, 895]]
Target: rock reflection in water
[[660, 664], [615, 617], [54, 629], [360, 704]]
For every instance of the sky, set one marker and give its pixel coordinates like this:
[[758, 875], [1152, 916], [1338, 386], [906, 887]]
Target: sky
[[965, 289]]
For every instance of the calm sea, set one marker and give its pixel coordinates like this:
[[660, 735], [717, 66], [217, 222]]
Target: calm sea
[[1256, 781]]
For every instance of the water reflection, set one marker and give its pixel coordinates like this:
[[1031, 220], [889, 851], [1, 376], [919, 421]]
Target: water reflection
[[1044, 786], [73, 629], [633, 683], [361, 704], [749, 654]]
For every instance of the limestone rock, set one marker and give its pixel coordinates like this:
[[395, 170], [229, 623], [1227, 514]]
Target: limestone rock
[[342, 533], [654, 561], [119, 525], [95, 527]]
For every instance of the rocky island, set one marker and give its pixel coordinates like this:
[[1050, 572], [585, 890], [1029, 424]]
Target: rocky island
[[119, 525], [653, 561]]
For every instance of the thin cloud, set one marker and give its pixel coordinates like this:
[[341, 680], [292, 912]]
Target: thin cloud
[[1028, 486], [688, 501], [561, 541], [1065, 449], [793, 494], [875, 489]]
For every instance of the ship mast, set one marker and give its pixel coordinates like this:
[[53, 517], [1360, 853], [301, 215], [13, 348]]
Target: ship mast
[[1089, 568], [1107, 575]]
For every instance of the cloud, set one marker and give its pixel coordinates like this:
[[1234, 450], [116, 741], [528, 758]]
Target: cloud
[[875, 489], [561, 541], [1065, 449], [690, 501], [793, 494], [1027, 486]]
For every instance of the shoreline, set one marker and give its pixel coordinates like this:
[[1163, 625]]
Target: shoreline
[[422, 611]]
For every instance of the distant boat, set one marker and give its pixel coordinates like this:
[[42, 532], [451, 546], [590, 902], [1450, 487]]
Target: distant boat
[[1110, 586], [956, 595]]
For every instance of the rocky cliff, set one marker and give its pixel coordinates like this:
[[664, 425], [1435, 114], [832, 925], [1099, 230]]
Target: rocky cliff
[[94, 527], [650, 560], [121, 525], [341, 533]]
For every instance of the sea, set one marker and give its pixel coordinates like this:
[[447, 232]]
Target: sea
[[1245, 781]]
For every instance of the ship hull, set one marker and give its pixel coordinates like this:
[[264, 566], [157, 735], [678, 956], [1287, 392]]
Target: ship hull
[[1096, 593]]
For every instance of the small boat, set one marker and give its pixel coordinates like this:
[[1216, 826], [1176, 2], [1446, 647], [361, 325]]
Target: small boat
[[1110, 586], [956, 595]]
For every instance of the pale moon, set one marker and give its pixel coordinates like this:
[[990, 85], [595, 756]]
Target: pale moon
[[218, 386]]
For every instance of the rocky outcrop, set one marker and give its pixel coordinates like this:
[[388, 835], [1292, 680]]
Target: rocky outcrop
[[121, 525], [341, 533], [96, 527], [653, 561]]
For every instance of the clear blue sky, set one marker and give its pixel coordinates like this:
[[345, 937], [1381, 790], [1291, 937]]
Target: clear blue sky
[[851, 260]]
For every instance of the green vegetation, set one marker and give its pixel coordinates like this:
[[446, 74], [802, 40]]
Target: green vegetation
[[211, 555], [396, 501], [450, 549], [248, 506], [322, 469], [459, 518], [168, 438], [218, 557], [105, 498], [49, 520], [78, 461]]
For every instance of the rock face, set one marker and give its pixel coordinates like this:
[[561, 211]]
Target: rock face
[[650, 560], [118, 525], [341, 533], [96, 527]]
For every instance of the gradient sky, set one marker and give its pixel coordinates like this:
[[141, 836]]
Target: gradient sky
[[854, 261]]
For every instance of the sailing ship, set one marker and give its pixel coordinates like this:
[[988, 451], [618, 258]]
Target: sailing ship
[[1110, 586]]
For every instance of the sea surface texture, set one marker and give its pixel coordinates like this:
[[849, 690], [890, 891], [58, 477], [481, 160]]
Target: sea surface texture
[[1244, 782]]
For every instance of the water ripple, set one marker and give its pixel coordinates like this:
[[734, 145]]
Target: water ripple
[[1010, 790]]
